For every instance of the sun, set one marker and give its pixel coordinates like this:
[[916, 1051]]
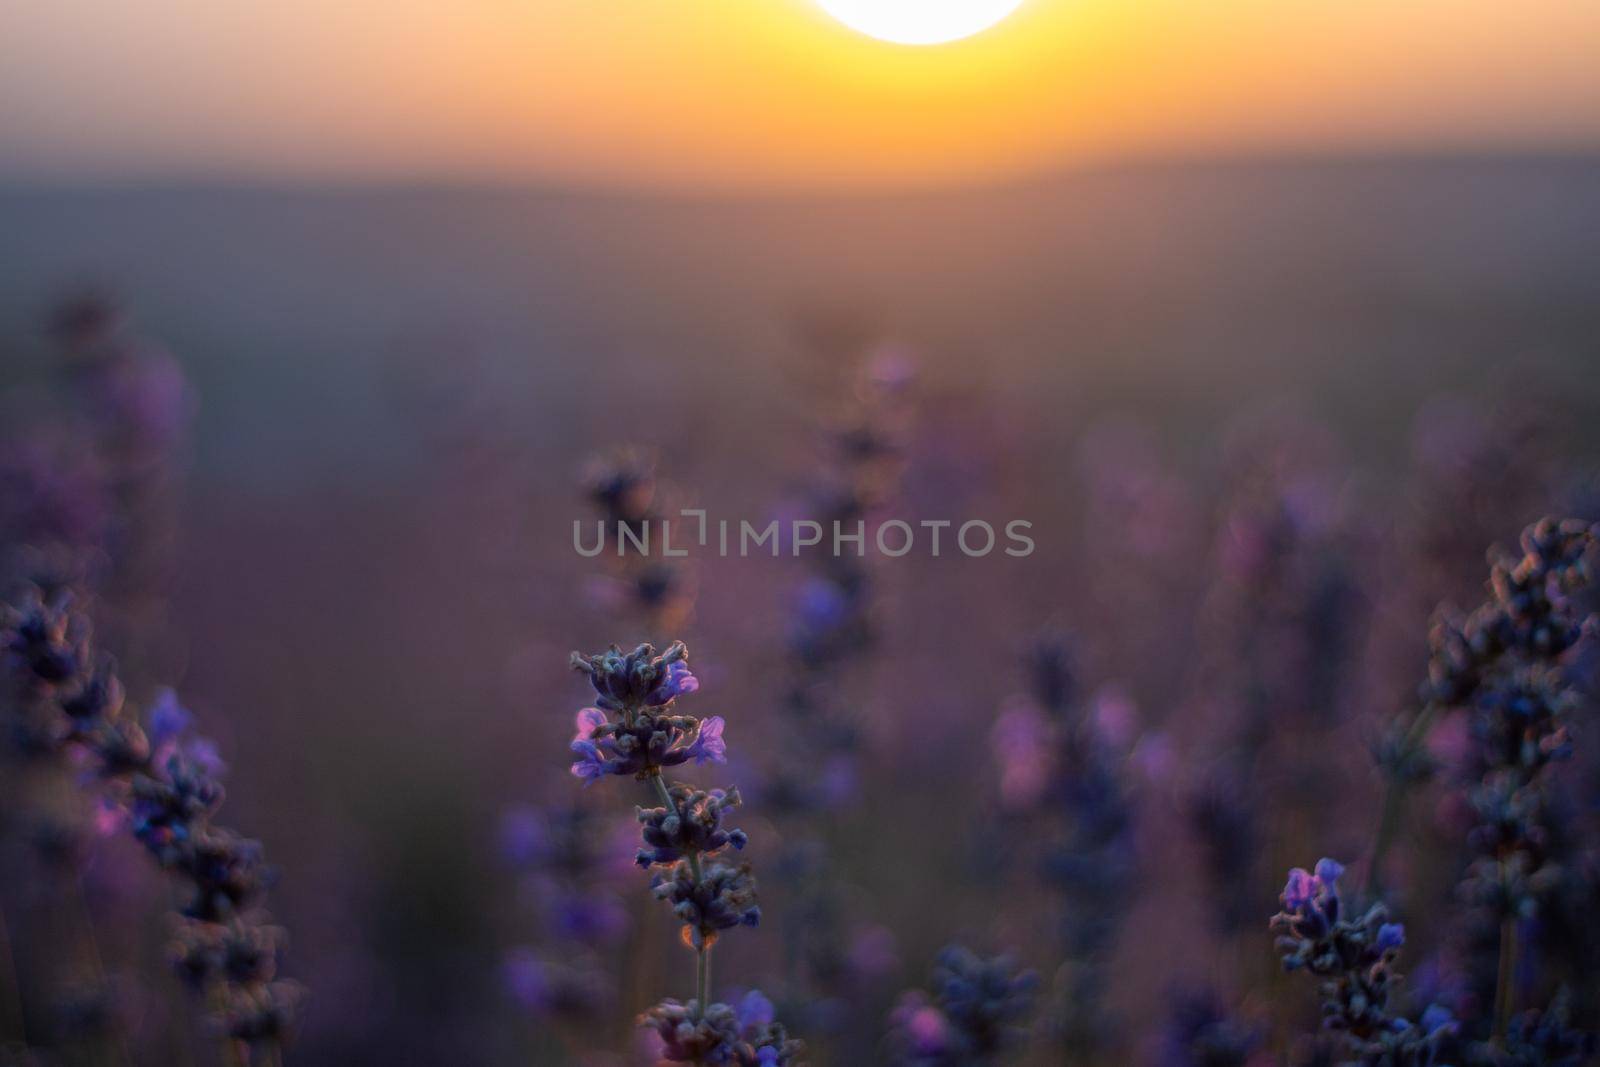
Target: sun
[[919, 21]]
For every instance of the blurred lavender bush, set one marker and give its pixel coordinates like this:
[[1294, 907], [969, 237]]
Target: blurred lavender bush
[[1092, 765]]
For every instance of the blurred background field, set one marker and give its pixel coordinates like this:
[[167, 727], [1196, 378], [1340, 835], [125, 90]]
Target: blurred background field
[[397, 389]]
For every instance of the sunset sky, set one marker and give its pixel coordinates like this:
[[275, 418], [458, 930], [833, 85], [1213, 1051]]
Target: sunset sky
[[767, 93]]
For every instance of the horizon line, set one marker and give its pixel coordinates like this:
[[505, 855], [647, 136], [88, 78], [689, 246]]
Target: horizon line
[[846, 188]]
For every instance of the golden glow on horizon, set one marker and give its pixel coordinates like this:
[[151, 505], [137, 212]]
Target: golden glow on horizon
[[765, 94], [919, 22]]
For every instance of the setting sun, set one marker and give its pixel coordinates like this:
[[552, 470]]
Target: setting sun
[[919, 22], [773, 95]]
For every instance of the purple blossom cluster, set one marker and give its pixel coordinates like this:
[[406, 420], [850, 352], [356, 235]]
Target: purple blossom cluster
[[690, 823], [624, 491], [1506, 668], [161, 783], [1353, 954], [746, 1036], [570, 860], [1502, 647], [977, 1012], [87, 469], [1202, 1031], [833, 622], [1280, 621], [1065, 793], [639, 688], [833, 628], [1540, 1038]]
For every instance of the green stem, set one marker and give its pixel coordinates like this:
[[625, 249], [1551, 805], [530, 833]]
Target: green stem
[[661, 790], [702, 974], [702, 963], [1505, 979], [1388, 822], [1394, 798]]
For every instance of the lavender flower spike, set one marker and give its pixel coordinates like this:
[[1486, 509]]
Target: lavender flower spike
[[163, 784], [1355, 959], [633, 730], [976, 1014]]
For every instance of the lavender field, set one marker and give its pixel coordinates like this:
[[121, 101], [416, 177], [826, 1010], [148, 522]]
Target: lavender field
[[1277, 746]]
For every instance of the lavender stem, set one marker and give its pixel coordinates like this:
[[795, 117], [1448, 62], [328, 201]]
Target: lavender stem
[[1505, 979], [702, 976], [1394, 799]]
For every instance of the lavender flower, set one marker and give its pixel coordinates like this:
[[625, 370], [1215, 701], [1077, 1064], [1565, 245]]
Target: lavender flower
[[1506, 665], [632, 681], [693, 824], [569, 885], [1201, 1032], [714, 898], [977, 1012], [833, 626], [1223, 817], [1528, 621], [1354, 953], [621, 485], [623, 489], [641, 686], [575, 987], [162, 784], [1539, 1039], [569, 858], [1509, 665], [44, 641], [167, 806], [246, 953], [745, 1037], [1080, 816], [54, 508], [1520, 728], [633, 730]]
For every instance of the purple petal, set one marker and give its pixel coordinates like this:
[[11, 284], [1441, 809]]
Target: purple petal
[[708, 744], [1299, 889], [679, 680], [523, 837], [526, 980], [591, 764], [927, 1031], [167, 718], [589, 720], [754, 1010], [1437, 1018], [203, 753]]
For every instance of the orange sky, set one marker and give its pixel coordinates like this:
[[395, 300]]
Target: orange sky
[[764, 93]]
